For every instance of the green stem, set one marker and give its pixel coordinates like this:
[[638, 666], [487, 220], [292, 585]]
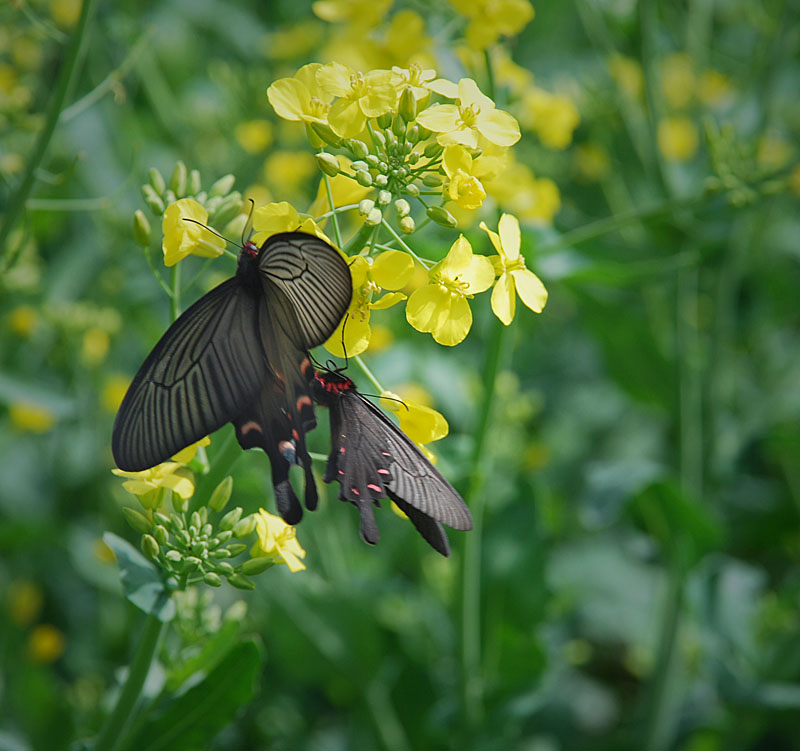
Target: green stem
[[472, 683], [368, 373], [337, 210], [402, 243], [334, 218], [175, 288], [66, 75], [110, 735]]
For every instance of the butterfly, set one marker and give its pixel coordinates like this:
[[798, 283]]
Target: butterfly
[[371, 459], [240, 354]]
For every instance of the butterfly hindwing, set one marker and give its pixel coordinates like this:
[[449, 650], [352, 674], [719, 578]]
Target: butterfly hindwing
[[202, 372]]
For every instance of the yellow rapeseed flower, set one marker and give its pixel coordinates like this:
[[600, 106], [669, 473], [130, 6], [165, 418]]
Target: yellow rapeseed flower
[[554, 117], [440, 307], [288, 172], [463, 185], [391, 270], [46, 643], [363, 14], [146, 485], [414, 77], [277, 540], [592, 161], [113, 392], [94, 346], [24, 601], [254, 135], [489, 19], [677, 80], [65, 12], [474, 116], [516, 189], [359, 96], [182, 238], [677, 138], [299, 98], [714, 88], [420, 423], [23, 320], [514, 276], [627, 74], [184, 456], [31, 418], [282, 217]]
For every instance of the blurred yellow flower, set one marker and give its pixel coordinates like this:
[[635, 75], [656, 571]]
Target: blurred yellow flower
[[46, 643], [94, 346], [254, 135], [27, 53], [277, 540], [113, 392], [289, 171], [11, 163], [24, 601], [300, 98], [297, 40], [381, 338], [440, 307], [23, 320], [182, 238], [472, 117], [391, 270], [65, 12], [773, 152], [404, 41], [677, 138], [260, 194], [184, 456], [516, 189], [677, 80], [714, 88], [627, 74], [554, 117], [31, 418], [489, 19], [363, 14], [359, 96], [282, 217], [418, 421], [508, 73], [592, 161], [514, 276], [414, 77], [146, 485]]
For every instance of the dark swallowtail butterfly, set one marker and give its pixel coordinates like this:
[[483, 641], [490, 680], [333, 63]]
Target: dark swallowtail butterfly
[[240, 354], [372, 458]]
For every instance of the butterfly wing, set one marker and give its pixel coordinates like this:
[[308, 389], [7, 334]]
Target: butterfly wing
[[315, 279], [206, 368]]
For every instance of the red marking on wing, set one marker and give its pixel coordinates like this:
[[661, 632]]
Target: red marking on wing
[[295, 434], [305, 365], [383, 471], [342, 450], [251, 425], [303, 401], [355, 491], [374, 487], [385, 453]]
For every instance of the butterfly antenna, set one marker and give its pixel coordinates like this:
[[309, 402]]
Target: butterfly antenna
[[212, 231], [248, 225], [391, 398], [344, 349]]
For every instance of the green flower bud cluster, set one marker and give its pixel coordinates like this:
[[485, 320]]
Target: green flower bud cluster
[[193, 548], [221, 201]]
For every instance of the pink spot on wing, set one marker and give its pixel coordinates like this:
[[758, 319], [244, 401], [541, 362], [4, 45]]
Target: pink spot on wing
[[341, 450], [383, 471], [373, 486], [354, 491], [385, 453], [250, 425]]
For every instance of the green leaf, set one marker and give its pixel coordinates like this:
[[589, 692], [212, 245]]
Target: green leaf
[[191, 720], [141, 580]]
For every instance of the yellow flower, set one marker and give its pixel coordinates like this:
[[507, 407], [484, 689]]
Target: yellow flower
[[359, 96], [23, 320], [419, 422], [516, 189], [94, 346], [65, 12], [182, 238], [474, 116], [404, 41], [440, 307], [254, 135], [773, 152], [464, 187], [277, 540], [489, 19], [288, 172], [184, 456], [794, 181], [677, 138], [510, 264], [283, 217], [300, 98], [554, 117], [714, 88], [391, 270], [293, 42], [24, 601], [677, 80], [345, 191], [414, 77], [31, 418], [46, 643], [508, 73], [627, 74], [592, 161], [363, 14], [113, 392], [146, 485]]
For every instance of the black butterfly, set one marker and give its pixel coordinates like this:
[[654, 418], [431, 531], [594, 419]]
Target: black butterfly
[[240, 355], [372, 458]]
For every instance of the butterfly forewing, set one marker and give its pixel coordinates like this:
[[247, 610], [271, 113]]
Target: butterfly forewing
[[203, 371], [315, 279]]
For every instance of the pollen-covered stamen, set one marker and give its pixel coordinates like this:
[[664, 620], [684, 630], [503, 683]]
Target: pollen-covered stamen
[[470, 114], [357, 84]]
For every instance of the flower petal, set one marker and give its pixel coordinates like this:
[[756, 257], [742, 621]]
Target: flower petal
[[444, 87], [441, 118], [457, 259], [469, 93], [392, 269], [479, 275], [289, 98], [530, 289], [427, 306], [503, 300], [495, 238], [498, 127], [356, 337], [346, 118], [389, 299], [334, 79], [454, 327], [510, 237], [456, 158]]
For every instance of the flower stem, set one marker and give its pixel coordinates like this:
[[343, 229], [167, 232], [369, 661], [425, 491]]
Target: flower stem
[[334, 218], [471, 679], [66, 75], [111, 734], [175, 296]]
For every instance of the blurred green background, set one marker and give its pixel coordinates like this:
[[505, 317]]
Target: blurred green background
[[639, 555]]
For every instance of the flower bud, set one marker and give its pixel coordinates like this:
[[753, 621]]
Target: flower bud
[[432, 180], [200, 549], [413, 158], [136, 519], [412, 190], [222, 187], [206, 531], [407, 106], [201, 197], [385, 120], [399, 126], [358, 148], [203, 512], [359, 165], [141, 229], [442, 216], [180, 504], [315, 141], [195, 186], [228, 208], [433, 150], [381, 181], [177, 182], [325, 132], [412, 133], [221, 553], [150, 547], [380, 138], [256, 565], [191, 562], [365, 206], [230, 519], [153, 200], [240, 582], [221, 495], [372, 160], [161, 519], [384, 197], [374, 218], [174, 556], [157, 181], [244, 527], [402, 207], [212, 579], [161, 534], [328, 163], [236, 548], [423, 131], [224, 567], [176, 521], [407, 225], [364, 179], [196, 522], [222, 537]]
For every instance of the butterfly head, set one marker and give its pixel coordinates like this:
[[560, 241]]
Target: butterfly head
[[331, 382]]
